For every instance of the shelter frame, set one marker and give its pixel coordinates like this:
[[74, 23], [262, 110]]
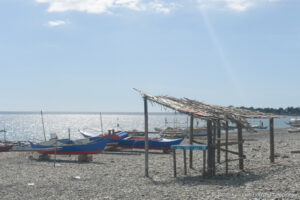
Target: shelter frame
[[214, 115]]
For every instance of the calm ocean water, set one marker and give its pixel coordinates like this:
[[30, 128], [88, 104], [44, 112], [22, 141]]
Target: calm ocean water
[[28, 126]]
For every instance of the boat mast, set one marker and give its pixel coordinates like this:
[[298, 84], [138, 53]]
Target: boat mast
[[43, 124], [4, 131], [101, 123]]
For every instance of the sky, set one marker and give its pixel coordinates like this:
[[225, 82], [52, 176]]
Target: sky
[[87, 55]]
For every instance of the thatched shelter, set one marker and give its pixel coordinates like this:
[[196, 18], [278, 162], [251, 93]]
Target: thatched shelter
[[215, 116]]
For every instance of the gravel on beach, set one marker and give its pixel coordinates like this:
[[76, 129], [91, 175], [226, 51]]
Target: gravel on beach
[[120, 174]]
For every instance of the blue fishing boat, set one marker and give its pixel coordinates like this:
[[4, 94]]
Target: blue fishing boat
[[154, 143], [71, 147], [122, 139]]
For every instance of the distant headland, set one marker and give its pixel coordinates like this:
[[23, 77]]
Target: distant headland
[[277, 111]]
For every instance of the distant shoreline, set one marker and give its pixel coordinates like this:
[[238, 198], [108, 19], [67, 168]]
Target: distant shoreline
[[80, 113], [288, 111], [103, 113]]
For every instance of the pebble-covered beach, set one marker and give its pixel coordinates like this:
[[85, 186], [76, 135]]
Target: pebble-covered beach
[[120, 175]]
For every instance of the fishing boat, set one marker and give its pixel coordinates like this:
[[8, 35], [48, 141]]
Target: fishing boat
[[91, 132], [123, 140], [71, 147], [260, 125], [294, 130], [154, 143], [294, 122], [5, 147]]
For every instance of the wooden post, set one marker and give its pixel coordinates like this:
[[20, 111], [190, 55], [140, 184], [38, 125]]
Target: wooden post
[[240, 147], [146, 137], [204, 162], [218, 142], [191, 139], [214, 148], [174, 162], [184, 161], [209, 149], [55, 152], [272, 154], [226, 147]]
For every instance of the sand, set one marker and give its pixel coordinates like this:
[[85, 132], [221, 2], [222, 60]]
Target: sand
[[120, 175]]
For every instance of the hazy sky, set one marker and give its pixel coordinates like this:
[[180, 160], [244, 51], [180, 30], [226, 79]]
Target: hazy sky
[[79, 55]]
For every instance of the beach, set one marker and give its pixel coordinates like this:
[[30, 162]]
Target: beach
[[120, 174]]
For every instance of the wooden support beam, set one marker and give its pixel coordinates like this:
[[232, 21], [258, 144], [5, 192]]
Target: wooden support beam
[[184, 161], [233, 152], [198, 142], [204, 163], [191, 139], [214, 147], [218, 142], [230, 143], [146, 137], [229, 140], [214, 133], [209, 149], [272, 152], [174, 162], [240, 147], [226, 148]]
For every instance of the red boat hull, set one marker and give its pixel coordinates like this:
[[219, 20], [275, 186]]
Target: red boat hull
[[5, 148], [70, 152]]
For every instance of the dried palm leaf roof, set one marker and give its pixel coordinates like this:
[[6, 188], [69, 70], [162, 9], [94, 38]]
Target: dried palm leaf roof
[[205, 111]]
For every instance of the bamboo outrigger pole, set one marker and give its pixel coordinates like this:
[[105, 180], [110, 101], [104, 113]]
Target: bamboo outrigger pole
[[43, 124]]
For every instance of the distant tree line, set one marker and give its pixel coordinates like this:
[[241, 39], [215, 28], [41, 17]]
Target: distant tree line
[[277, 111]]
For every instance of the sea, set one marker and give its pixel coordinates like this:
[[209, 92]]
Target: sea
[[24, 126]]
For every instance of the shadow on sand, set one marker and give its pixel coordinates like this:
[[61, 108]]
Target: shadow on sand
[[233, 179]]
